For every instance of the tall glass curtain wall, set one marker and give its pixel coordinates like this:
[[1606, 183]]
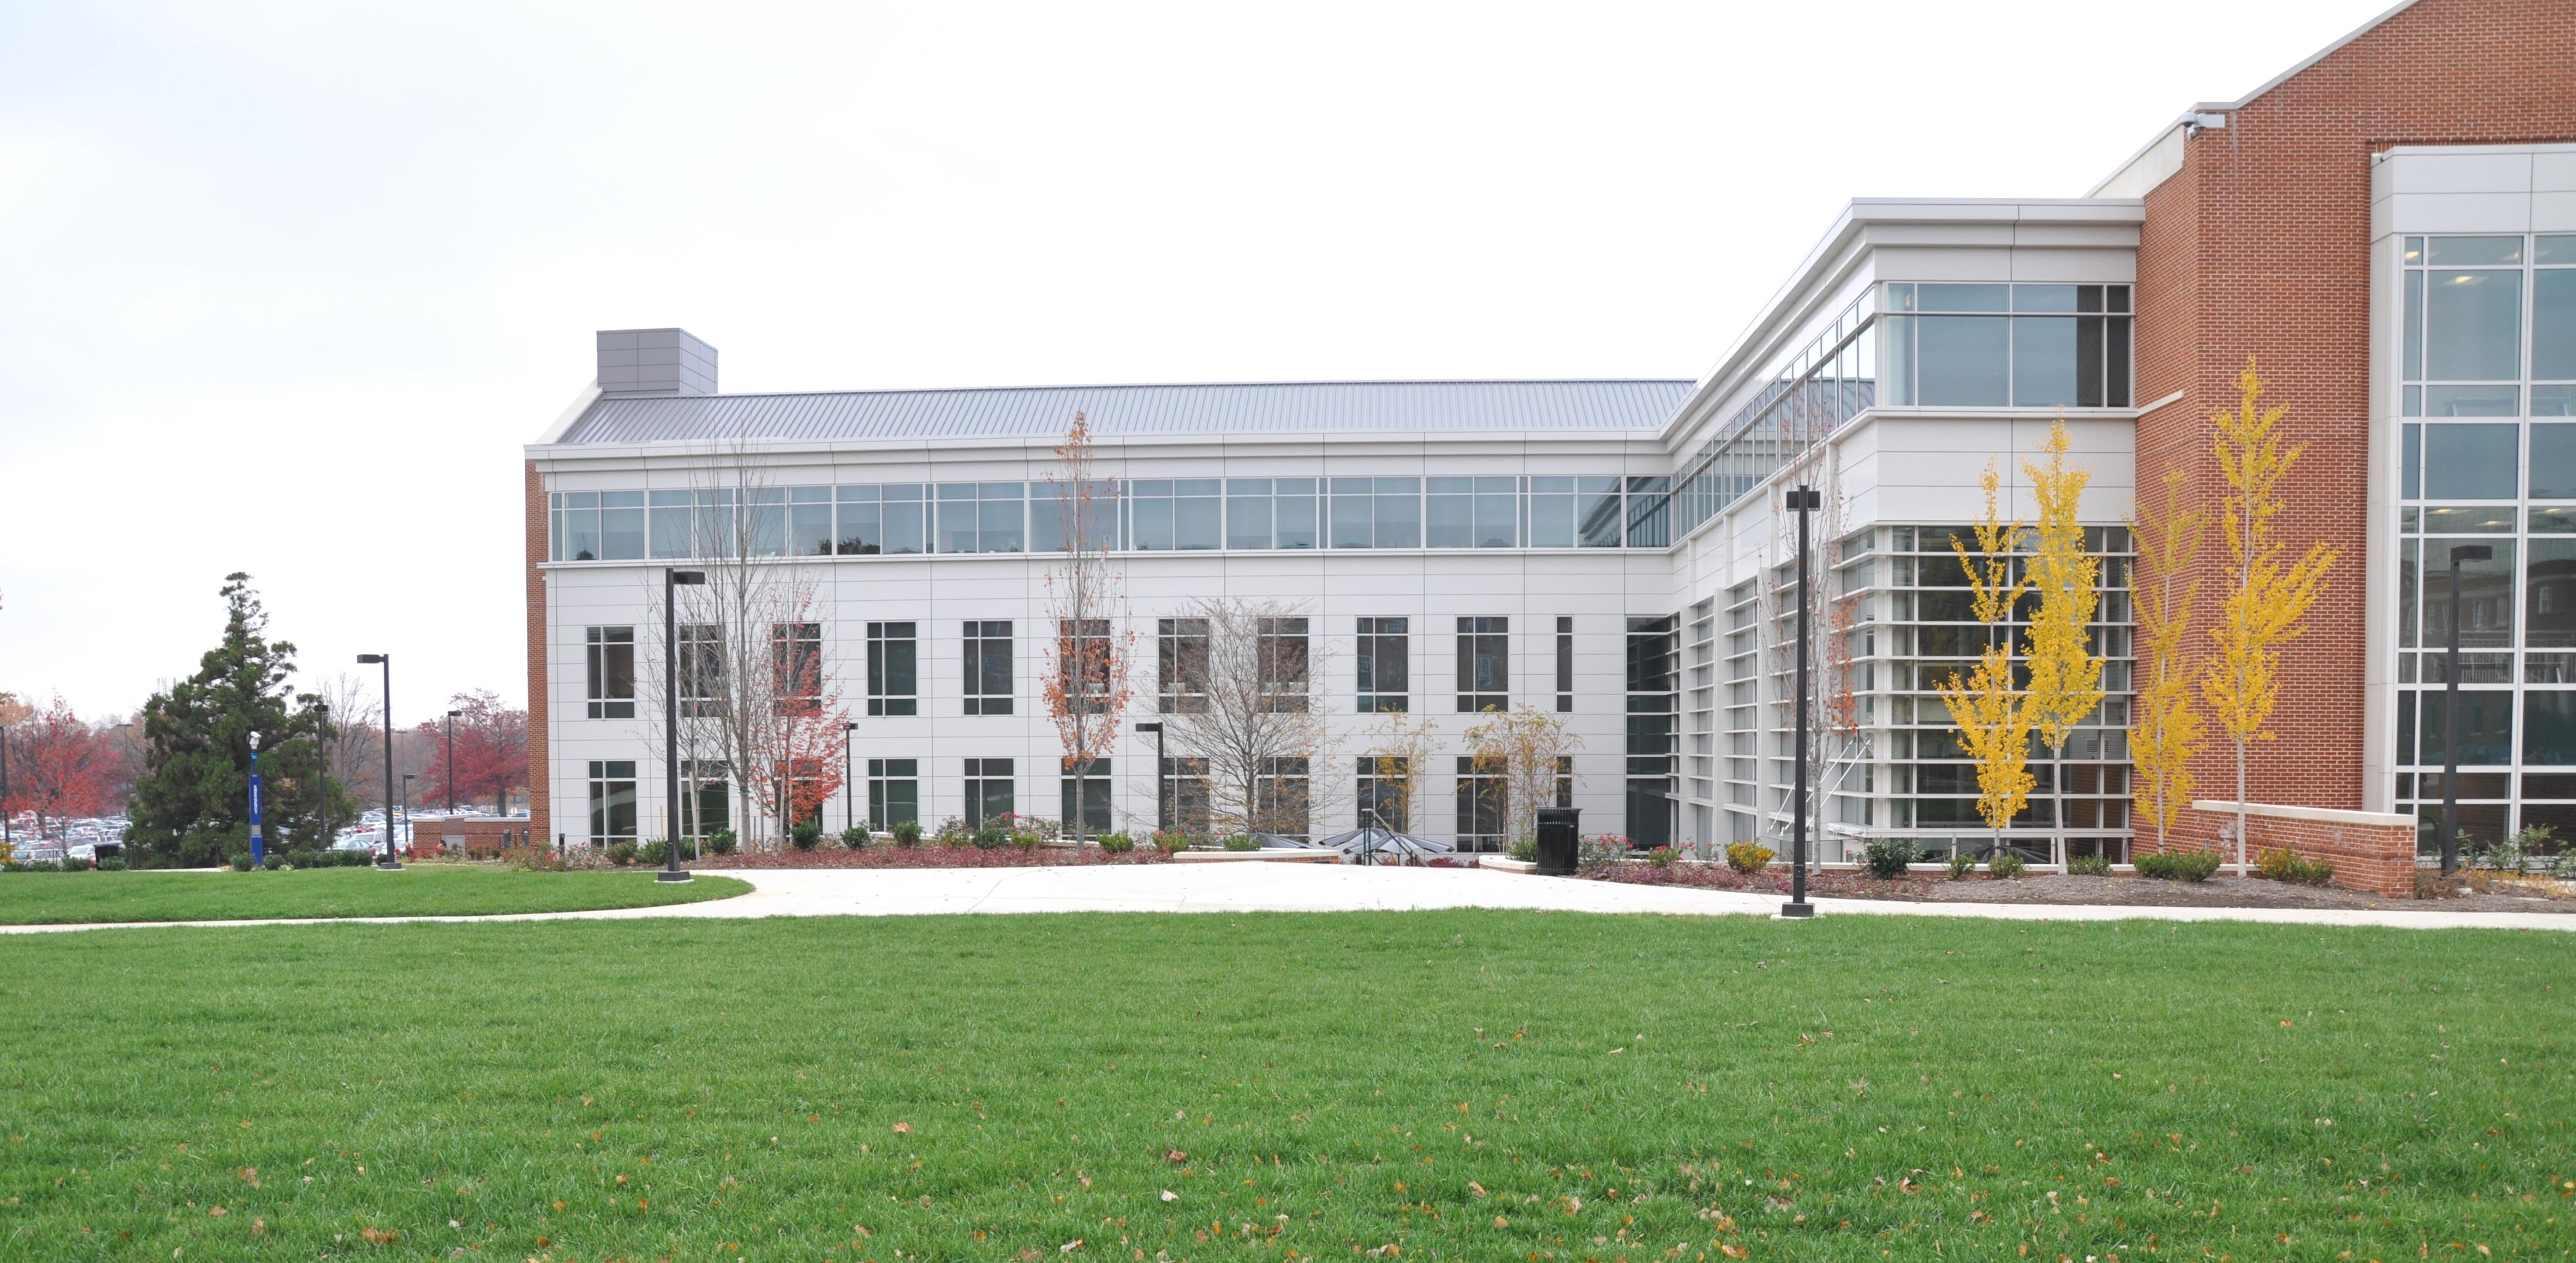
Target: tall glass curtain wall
[[1912, 628], [2487, 456], [1140, 515]]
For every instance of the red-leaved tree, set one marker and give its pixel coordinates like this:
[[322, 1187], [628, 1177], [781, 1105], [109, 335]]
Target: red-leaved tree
[[59, 767], [491, 750]]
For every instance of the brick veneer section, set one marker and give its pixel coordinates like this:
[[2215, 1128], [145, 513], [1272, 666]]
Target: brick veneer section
[[2373, 853], [540, 796], [2259, 246]]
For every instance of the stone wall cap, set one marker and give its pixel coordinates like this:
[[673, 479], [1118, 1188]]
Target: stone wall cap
[[2325, 815]]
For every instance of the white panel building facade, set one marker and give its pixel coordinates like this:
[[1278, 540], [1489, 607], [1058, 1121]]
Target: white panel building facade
[[1610, 552]]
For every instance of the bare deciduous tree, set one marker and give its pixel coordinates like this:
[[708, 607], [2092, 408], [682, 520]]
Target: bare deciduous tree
[[1525, 747], [1260, 733]]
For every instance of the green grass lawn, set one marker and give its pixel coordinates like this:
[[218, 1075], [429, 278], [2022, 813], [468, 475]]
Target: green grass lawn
[[426, 890], [1462, 1085]]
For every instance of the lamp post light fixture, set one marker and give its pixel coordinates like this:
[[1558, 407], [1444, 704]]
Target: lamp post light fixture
[[451, 760], [258, 844], [2451, 711], [388, 864], [672, 582], [849, 788], [1803, 500], [1161, 821]]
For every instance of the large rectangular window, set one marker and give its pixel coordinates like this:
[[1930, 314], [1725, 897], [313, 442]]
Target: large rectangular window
[[612, 801], [894, 683], [1086, 657], [701, 670], [1377, 512], [809, 522], [982, 517], [706, 798], [1381, 792], [1060, 512], [2020, 346], [611, 654], [1181, 665], [1175, 514], [1484, 664], [796, 663], [1479, 802], [1384, 665], [1086, 798], [1564, 663], [989, 791], [1282, 653], [894, 792], [1471, 513], [1567, 512], [1270, 513], [880, 518], [988, 668], [1281, 797], [1182, 802]]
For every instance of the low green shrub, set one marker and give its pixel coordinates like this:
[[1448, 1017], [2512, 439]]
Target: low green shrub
[[1524, 849], [1888, 857], [1242, 842], [2089, 866], [1026, 839], [722, 842], [2565, 868], [2179, 865], [855, 838], [2281, 865], [907, 833], [111, 866], [621, 853], [241, 862], [1962, 862], [2005, 865], [1171, 841], [1116, 843], [1661, 857], [954, 832], [1748, 857], [805, 836], [991, 837]]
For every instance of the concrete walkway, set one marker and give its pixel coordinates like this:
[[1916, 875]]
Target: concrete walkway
[[1334, 888]]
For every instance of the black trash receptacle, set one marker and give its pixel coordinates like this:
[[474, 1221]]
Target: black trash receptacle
[[1558, 827]]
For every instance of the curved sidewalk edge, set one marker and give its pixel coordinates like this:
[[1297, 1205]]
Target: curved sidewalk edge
[[1320, 888]]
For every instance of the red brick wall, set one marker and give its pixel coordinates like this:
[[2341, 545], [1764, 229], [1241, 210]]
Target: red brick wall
[[2259, 246], [540, 737], [2376, 858]]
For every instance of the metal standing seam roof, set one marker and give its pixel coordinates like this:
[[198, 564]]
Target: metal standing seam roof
[[1046, 411]]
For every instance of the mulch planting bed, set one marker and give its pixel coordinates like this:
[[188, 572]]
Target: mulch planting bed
[[2056, 888]]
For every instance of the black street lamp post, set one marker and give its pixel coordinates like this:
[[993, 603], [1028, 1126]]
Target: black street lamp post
[[388, 864], [1803, 500], [849, 788], [1161, 818], [451, 760], [2451, 711], [672, 581]]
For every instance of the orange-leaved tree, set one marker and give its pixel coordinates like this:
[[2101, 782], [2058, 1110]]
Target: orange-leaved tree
[[2165, 733], [1088, 693], [2268, 595], [1986, 709]]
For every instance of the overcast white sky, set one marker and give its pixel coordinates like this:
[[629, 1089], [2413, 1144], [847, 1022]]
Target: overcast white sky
[[285, 287]]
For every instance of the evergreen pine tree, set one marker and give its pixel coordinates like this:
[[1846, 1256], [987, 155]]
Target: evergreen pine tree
[[191, 805]]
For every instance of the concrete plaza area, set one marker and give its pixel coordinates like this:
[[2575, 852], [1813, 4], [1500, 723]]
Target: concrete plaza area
[[1259, 887]]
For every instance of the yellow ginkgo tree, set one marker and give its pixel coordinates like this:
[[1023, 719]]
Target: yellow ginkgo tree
[[2065, 672], [2166, 732], [1986, 709], [2268, 596]]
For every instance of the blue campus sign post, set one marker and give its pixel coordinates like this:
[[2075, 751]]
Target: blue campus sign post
[[258, 852]]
